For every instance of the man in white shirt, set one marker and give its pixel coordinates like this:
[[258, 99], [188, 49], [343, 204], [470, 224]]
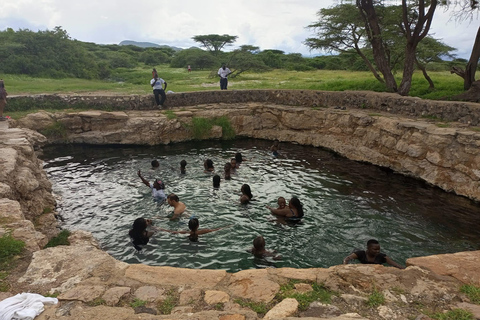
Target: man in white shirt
[[159, 90], [223, 73]]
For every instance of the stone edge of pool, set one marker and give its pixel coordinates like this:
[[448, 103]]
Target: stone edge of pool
[[83, 274]]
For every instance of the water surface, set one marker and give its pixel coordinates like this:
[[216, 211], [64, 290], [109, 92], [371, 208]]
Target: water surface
[[346, 203]]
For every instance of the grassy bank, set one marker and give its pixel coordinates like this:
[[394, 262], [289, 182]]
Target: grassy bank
[[136, 81]]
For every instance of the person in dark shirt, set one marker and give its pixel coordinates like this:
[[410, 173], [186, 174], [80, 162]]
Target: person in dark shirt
[[372, 255]]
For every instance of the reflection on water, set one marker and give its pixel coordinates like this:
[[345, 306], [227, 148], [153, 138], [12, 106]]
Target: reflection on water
[[346, 203]]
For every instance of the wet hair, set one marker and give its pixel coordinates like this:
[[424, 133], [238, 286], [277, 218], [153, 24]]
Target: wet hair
[[193, 226], [160, 183], [258, 245], [183, 164], [155, 164], [296, 203], [137, 233], [173, 196], [238, 157], [247, 191], [372, 242], [216, 181], [208, 164]]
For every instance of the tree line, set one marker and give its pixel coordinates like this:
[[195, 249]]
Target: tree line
[[53, 54]]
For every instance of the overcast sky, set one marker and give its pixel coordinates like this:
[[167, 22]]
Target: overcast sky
[[268, 24]]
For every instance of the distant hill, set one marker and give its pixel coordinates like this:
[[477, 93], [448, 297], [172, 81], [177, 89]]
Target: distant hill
[[146, 45]]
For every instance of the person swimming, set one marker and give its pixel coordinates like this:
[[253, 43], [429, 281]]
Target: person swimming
[[139, 234], [178, 206], [208, 165], [227, 168], [216, 181], [155, 164], [372, 255], [294, 211], [274, 148], [183, 165], [259, 251], [194, 232], [158, 188], [239, 158], [282, 203], [246, 194]]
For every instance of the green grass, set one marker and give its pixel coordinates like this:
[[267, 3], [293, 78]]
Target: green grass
[[10, 248], [56, 130], [60, 240], [455, 314], [258, 307], [136, 81], [318, 293], [166, 306], [201, 127], [170, 114], [375, 299], [472, 292], [137, 303]]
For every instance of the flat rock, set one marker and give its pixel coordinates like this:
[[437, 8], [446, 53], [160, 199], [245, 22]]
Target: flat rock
[[169, 276], [214, 297], [284, 309], [83, 293], [254, 285], [113, 295]]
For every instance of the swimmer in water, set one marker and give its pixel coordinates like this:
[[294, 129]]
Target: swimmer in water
[[178, 206], [208, 165], [294, 209], [139, 233], [274, 148], [216, 181], [158, 188], [372, 255], [259, 251], [155, 164], [183, 164], [227, 171], [239, 159], [194, 232], [246, 194], [282, 203]]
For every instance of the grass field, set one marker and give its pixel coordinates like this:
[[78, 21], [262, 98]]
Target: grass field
[[137, 81]]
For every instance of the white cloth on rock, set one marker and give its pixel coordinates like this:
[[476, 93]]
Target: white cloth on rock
[[24, 306]]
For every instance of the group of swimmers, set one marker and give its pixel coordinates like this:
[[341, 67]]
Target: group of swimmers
[[141, 229]]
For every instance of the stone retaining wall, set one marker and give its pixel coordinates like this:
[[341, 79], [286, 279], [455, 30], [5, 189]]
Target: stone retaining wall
[[447, 157], [464, 112]]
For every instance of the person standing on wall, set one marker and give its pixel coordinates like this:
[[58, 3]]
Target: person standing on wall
[[3, 99], [158, 90], [223, 73]]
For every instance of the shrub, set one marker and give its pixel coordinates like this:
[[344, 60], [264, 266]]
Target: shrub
[[472, 292], [455, 314], [56, 130], [319, 293], [375, 299], [60, 240]]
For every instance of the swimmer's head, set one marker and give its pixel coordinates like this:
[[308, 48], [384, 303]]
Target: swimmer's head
[[238, 157], [139, 224], [216, 181], [233, 162], [208, 164], [155, 164], [259, 243], [246, 191], [183, 164], [158, 184], [373, 247], [193, 224], [172, 198], [282, 203]]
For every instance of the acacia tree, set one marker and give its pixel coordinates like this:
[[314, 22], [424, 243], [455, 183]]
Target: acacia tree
[[215, 42], [340, 29]]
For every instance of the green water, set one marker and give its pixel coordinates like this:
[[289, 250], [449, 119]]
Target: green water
[[345, 203]]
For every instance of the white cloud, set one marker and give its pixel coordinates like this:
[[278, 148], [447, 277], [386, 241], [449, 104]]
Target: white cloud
[[268, 24]]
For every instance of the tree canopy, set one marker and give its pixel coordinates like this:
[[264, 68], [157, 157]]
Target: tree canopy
[[215, 42]]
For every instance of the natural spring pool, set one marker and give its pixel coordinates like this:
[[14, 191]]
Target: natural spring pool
[[346, 203]]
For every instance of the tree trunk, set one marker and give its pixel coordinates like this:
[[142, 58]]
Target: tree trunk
[[472, 94], [408, 69], [431, 85], [472, 63], [374, 33], [420, 30], [369, 64]]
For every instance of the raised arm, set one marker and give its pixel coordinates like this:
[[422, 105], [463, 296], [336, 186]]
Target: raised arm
[[393, 263], [203, 231], [172, 231], [143, 179], [350, 257]]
